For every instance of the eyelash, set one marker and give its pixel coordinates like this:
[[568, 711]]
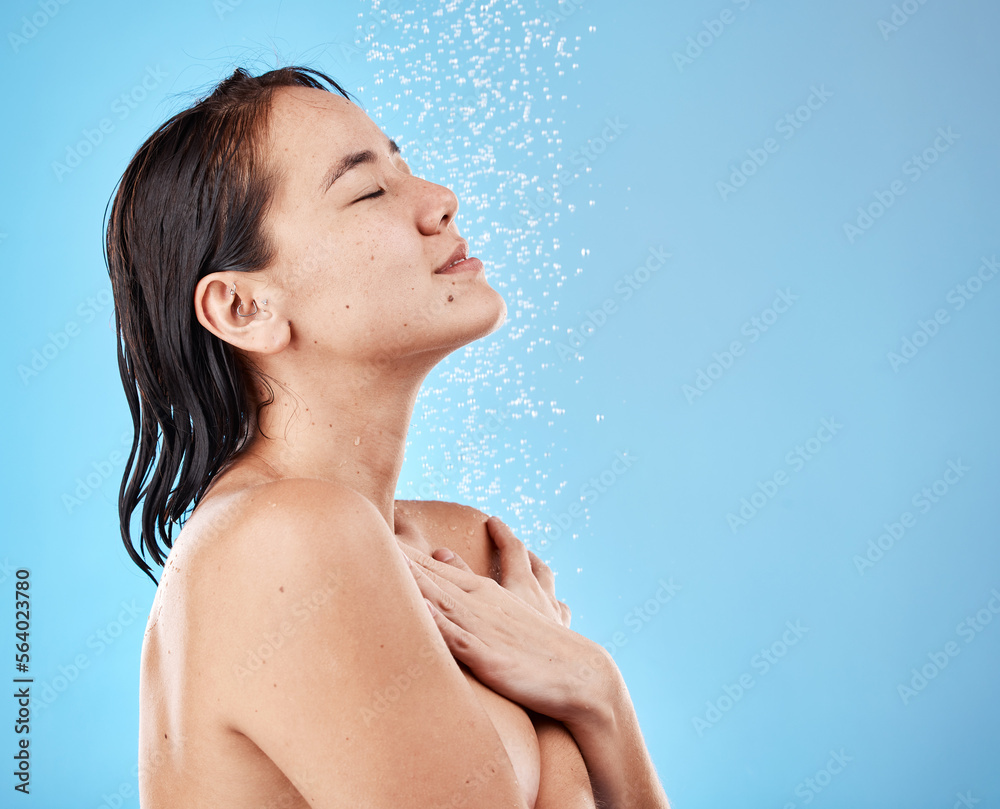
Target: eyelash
[[373, 195]]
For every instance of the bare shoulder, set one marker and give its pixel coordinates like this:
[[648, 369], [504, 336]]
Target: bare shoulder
[[232, 547], [442, 509], [460, 528], [308, 613], [279, 548]]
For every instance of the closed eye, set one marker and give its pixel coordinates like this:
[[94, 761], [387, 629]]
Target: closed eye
[[372, 195]]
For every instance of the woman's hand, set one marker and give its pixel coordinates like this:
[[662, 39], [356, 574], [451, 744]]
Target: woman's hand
[[523, 573], [516, 639], [512, 636]]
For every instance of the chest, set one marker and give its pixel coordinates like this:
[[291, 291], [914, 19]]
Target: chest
[[426, 526]]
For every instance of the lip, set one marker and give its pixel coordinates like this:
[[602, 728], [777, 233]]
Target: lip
[[460, 253], [471, 264]]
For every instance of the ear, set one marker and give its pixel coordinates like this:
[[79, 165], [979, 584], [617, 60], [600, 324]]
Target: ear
[[227, 315]]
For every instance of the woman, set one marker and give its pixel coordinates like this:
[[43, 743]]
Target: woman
[[283, 284]]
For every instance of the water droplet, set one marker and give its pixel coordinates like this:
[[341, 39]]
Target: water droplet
[[357, 440]]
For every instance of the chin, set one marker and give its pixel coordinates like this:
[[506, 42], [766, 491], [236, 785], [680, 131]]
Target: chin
[[492, 313], [470, 317], [499, 312], [439, 327]]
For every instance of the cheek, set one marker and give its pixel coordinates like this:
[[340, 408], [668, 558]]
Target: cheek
[[391, 263], [367, 261], [325, 265]]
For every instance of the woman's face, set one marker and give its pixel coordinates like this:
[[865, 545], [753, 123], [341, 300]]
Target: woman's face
[[356, 258]]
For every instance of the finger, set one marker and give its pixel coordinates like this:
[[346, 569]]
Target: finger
[[462, 577], [514, 561], [452, 559], [463, 645], [433, 589], [543, 573], [567, 614]]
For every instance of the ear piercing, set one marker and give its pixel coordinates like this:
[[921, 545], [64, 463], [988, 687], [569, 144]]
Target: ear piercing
[[239, 309]]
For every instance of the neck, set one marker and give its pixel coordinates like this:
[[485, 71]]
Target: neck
[[349, 427]]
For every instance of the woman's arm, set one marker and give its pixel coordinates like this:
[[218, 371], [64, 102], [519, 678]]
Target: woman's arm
[[325, 657], [513, 637], [607, 732]]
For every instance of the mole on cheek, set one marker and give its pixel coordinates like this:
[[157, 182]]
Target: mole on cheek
[[451, 297]]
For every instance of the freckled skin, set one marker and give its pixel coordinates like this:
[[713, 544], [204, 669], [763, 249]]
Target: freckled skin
[[356, 319]]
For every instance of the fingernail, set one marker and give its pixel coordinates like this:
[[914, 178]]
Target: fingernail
[[443, 555], [430, 606]]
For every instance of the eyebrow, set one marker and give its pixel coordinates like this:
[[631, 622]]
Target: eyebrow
[[351, 161]]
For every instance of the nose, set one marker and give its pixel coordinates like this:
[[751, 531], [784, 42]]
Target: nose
[[437, 206]]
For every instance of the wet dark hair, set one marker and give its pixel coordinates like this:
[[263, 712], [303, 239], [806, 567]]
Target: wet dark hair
[[191, 202]]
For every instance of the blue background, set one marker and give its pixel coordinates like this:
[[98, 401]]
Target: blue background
[[510, 105]]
